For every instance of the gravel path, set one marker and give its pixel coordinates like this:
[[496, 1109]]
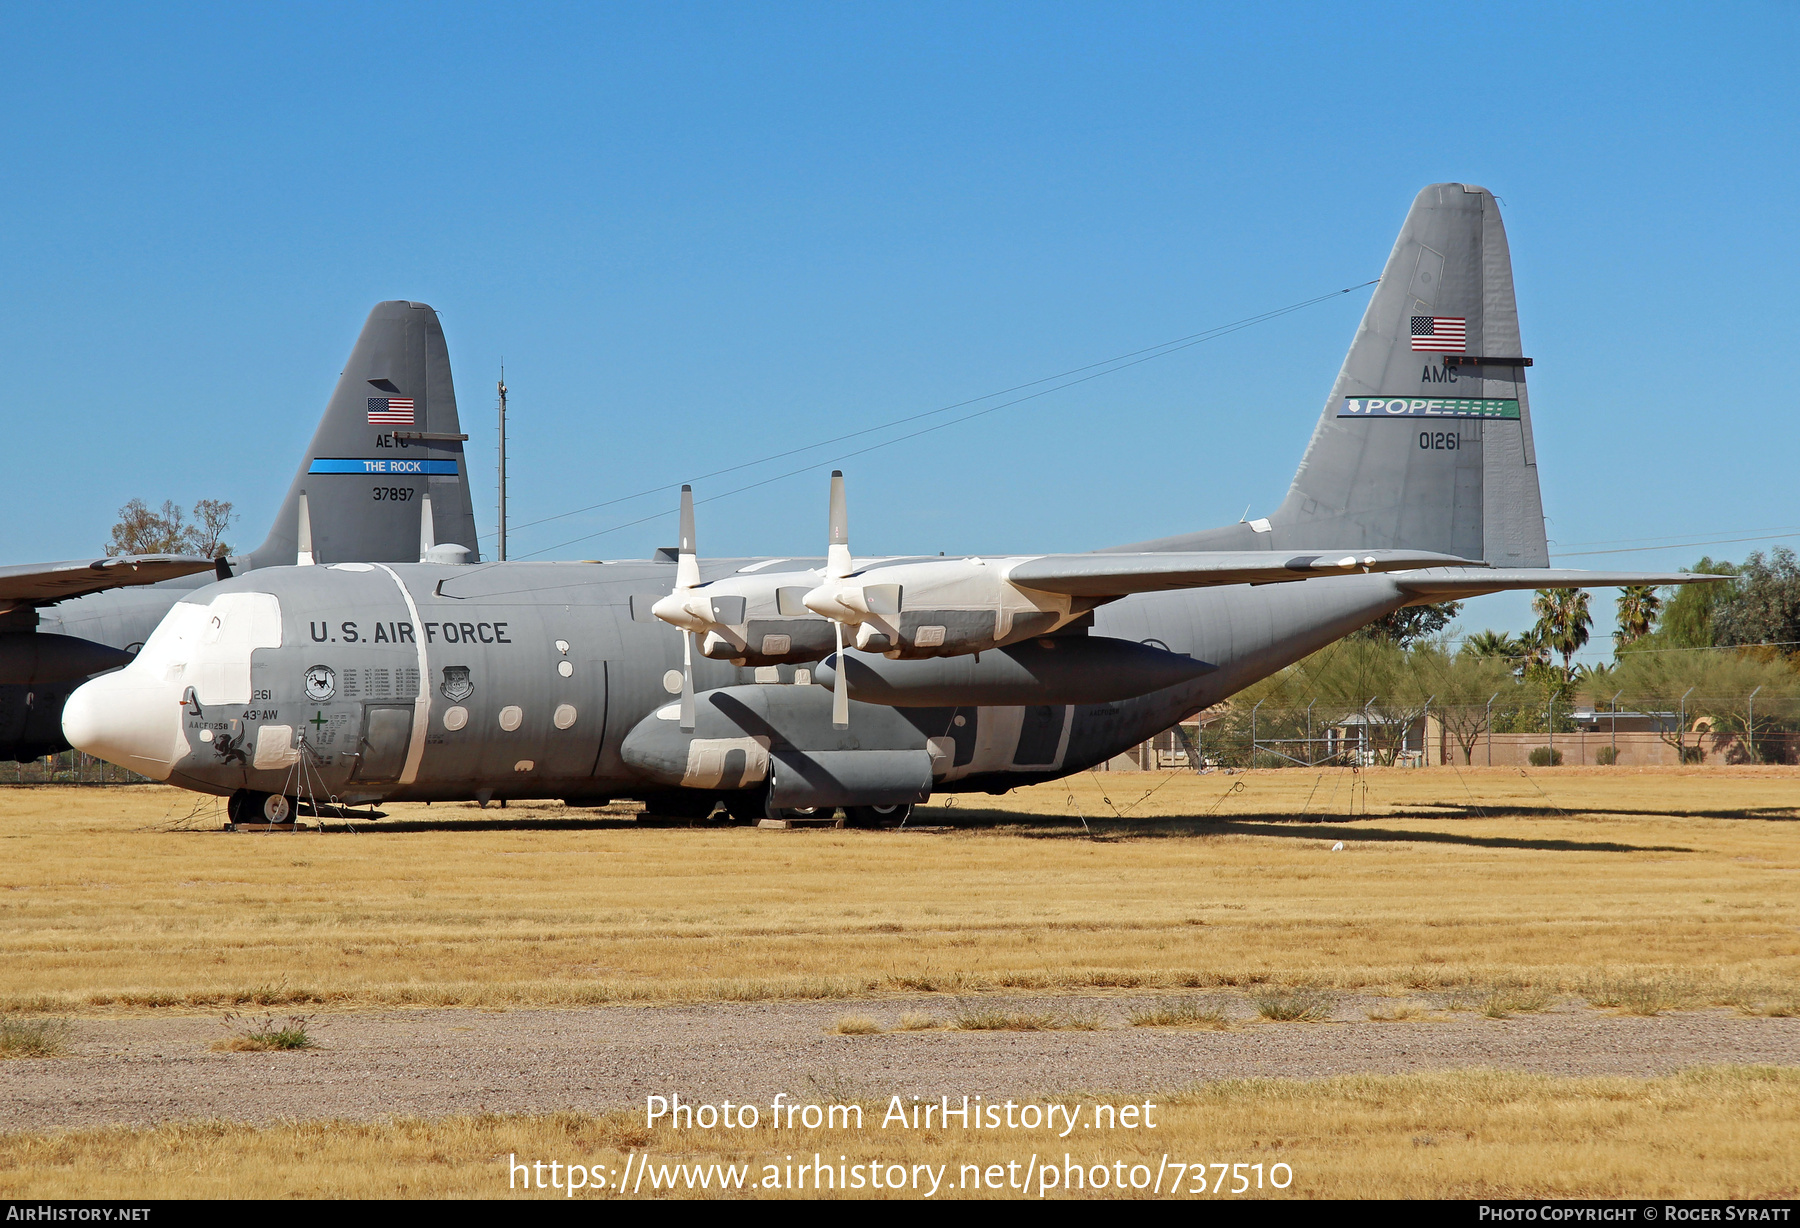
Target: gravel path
[[434, 1062]]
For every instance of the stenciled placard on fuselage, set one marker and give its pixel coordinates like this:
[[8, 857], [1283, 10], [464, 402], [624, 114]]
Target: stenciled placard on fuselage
[[1427, 407]]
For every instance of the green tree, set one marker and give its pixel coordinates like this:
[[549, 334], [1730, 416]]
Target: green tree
[[1493, 644], [1763, 607], [1534, 651], [1542, 700], [1714, 687], [169, 531], [1518, 652], [1411, 624], [1638, 606], [1563, 623], [1687, 614], [1461, 685]]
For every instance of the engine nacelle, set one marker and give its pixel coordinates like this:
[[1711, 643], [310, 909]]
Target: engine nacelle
[[28, 658], [783, 736]]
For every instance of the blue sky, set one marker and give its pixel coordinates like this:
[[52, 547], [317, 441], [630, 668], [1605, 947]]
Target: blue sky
[[701, 234]]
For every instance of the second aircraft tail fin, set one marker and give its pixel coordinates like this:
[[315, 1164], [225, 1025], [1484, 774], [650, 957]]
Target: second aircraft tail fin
[[1425, 442], [390, 437]]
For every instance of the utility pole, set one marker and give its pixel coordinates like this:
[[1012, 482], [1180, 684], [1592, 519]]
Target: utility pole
[[502, 387]]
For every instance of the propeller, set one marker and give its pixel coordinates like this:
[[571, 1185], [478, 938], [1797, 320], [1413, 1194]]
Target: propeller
[[828, 598], [684, 607]]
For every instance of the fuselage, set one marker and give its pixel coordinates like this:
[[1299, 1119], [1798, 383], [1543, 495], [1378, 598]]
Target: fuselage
[[434, 682]]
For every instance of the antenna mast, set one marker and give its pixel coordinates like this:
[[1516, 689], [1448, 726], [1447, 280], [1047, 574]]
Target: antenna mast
[[502, 387]]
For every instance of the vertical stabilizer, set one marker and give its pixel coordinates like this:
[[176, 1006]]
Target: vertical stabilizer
[[390, 437], [1419, 445]]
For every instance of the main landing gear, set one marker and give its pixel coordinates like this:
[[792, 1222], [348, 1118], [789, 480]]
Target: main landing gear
[[249, 806]]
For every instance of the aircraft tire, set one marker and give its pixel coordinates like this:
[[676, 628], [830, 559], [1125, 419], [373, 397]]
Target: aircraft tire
[[250, 806], [801, 814], [744, 806], [878, 816]]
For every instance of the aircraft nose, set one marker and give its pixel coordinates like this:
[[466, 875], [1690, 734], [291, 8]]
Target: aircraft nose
[[127, 719]]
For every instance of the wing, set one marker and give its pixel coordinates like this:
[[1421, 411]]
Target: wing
[[43, 583], [1115, 575], [1441, 584]]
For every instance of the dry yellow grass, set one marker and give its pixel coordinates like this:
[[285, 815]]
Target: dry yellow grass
[[1721, 1133], [1450, 879]]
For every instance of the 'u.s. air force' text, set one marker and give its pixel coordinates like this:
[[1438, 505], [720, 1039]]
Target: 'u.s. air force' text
[[402, 633]]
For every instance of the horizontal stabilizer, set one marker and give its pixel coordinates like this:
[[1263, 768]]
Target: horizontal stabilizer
[[1115, 575], [43, 583], [1442, 584]]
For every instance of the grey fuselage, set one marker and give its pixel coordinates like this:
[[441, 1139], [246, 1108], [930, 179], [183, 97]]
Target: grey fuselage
[[536, 674]]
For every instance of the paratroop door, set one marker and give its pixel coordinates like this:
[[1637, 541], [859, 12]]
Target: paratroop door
[[387, 736]]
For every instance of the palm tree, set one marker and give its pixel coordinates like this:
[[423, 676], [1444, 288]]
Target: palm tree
[[1638, 607], [1492, 644], [1592, 677], [1563, 622]]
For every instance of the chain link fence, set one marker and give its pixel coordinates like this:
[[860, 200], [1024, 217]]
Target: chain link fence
[[71, 767], [1507, 730]]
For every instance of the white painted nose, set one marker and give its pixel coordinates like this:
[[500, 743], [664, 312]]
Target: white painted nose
[[127, 718]]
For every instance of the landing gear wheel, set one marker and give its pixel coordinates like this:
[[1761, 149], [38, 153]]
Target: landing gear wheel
[[879, 816], [250, 806], [804, 814], [743, 807]]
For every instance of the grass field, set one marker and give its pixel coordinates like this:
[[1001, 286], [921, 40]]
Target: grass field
[[1676, 885], [1715, 1133]]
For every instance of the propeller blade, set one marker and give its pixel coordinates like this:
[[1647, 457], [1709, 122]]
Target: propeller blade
[[687, 682], [687, 564], [837, 559], [840, 689]]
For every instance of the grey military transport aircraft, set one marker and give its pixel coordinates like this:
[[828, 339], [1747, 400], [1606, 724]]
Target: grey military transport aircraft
[[780, 685], [388, 445]]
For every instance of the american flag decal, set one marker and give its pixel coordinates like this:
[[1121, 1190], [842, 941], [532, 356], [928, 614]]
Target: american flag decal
[[392, 411], [1447, 334]]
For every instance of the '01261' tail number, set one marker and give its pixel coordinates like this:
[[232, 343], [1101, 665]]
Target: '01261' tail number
[[1438, 441]]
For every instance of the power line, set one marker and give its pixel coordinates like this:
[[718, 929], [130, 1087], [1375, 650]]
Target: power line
[[1118, 362], [1678, 538], [1714, 541]]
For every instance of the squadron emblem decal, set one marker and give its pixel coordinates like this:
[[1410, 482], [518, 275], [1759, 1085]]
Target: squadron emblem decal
[[321, 684], [457, 686]]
